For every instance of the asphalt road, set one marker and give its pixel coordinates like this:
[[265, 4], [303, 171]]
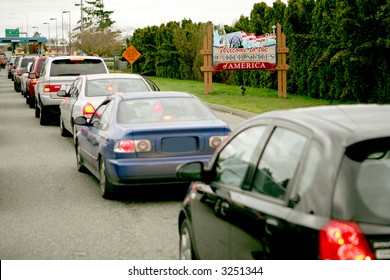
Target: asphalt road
[[48, 210]]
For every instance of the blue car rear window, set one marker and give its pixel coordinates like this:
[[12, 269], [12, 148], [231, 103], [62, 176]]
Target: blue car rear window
[[163, 110]]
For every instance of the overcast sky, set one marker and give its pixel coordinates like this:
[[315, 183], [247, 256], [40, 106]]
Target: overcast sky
[[128, 15]]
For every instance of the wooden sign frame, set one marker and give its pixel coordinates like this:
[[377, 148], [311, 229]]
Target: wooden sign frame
[[281, 65]]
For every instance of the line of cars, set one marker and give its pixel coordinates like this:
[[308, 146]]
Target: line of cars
[[310, 183], [125, 130]]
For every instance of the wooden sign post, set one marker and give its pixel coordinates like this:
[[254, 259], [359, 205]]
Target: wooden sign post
[[282, 65], [207, 67]]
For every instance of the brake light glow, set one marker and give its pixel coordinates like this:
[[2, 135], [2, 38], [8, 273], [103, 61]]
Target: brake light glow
[[169, 118], [51, 88], [125, 146], [344, 241], [88, 110], [77, 59], [130, 146]]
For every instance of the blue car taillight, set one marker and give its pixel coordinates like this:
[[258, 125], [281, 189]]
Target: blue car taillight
[[132, 146]]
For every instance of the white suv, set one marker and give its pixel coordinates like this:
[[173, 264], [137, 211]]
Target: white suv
[[58, 73]]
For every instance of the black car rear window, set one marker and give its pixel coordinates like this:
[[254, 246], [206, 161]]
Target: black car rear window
[[370, 169], [75, 67]]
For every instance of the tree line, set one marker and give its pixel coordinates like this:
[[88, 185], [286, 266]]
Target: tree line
[[338, 49]]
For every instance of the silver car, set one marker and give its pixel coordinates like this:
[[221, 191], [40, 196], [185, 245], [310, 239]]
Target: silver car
[[88, 91], [58, 73]]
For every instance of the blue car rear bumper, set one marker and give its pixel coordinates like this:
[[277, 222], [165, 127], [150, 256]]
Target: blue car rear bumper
[[146, 171]]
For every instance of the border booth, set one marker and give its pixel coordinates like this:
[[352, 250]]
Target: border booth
[[24, 40]]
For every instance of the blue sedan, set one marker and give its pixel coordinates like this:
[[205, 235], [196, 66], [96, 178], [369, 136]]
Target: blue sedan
[[139, 139]]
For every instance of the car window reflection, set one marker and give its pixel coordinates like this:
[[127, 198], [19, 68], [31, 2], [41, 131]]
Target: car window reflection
[[234, 159], [279, 162]]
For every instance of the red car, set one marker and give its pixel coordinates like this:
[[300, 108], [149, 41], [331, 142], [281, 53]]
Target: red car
[[31, 81]]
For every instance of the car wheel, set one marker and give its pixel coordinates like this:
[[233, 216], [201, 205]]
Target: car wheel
[[37, 111], [186, 251], [17, 88], [80, 161], [63, 131], [105, 185], [43, 117], [31, 102]]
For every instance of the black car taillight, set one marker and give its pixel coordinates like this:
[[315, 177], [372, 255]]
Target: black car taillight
[[341, 240]]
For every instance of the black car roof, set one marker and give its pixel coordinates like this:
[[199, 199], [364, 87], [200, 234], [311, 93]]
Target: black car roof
[[349, 123]]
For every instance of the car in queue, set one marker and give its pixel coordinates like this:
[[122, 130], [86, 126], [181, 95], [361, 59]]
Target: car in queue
[[13, 65], [308, 184], [138, 139], [88, 91], [24, 77], [21, 68], [31, 80], [3, 60], [10, 65], [58, 73]]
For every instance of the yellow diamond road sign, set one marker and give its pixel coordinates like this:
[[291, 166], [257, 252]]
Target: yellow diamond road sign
[[131, 54]]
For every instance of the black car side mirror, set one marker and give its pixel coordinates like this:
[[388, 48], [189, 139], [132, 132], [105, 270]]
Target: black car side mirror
[[192, 171]]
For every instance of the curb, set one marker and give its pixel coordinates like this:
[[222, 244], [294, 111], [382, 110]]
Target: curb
[[232, 111]]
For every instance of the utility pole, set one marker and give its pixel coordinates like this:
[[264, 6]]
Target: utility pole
[[56, 35]]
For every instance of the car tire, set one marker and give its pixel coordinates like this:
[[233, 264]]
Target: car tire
[[105, 185], [43, 117], [17, 88], [37, 111], [80, 162], [186, 251], [31, 102], [63, 131]]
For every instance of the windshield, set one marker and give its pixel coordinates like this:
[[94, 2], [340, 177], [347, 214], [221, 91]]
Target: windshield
[[75, 67], [105, 87], [167, 109]]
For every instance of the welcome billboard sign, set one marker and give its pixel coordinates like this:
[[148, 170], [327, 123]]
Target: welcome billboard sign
[[241, 51]]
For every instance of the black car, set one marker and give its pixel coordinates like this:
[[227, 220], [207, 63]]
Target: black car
[[310, 183]]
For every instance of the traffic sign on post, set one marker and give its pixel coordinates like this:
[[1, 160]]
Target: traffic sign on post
[[131, 54]]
